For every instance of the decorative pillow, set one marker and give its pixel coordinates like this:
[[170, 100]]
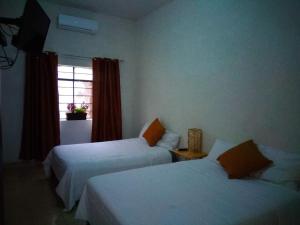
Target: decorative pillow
[[285, 167], [154, 132], [242, 160], [219, 148], [169, 140]]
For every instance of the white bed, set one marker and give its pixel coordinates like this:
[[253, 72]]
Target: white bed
[[194, 192], [74, 164]]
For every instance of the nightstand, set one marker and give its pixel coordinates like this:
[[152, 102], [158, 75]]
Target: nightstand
[[188, 155]]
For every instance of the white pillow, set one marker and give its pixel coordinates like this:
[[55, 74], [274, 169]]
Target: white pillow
[[219, 148], [285, 168], [146, 125], [169, 140]]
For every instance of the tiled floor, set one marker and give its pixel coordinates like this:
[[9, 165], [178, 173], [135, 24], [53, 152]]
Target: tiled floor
[[30, 199]]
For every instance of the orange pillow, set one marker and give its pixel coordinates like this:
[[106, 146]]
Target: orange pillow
[[154, 132], [242, 160]]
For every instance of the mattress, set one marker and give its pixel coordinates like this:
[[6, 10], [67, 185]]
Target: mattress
[[194, 192], [74, 164]]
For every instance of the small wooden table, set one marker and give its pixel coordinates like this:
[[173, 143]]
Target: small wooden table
[[188, 155]]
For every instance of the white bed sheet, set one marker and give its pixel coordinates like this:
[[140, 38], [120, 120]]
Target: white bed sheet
[[74, 164], [192, 192]]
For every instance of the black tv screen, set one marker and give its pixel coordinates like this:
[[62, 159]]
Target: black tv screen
[[34, 25]]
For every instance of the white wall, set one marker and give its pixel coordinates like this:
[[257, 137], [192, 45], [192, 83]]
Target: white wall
[[228, 67], [115, 39], [75, 131]]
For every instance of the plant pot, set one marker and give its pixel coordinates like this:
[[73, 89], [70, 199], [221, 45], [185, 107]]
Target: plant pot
[[76, 116]]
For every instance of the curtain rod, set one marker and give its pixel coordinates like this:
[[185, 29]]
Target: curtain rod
[[80, 57]]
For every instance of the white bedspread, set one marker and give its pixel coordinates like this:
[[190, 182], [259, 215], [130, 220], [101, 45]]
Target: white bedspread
[[186, 193], [74, 164]]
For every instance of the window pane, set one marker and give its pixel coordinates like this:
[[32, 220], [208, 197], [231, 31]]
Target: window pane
[[62, 115], [89, 104], [78, 104], [81, 99], [83, 91], [83, 84], [84, 70], [68, 69], [89, 111], [62, 83], [62, 75], [66, 99], [63, 107], [82, 76], [89, 115], [65, 91]]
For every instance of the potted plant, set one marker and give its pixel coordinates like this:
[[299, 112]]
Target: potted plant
[[77, 113]]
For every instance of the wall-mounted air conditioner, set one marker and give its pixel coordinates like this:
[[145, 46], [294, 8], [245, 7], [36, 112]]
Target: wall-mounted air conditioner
[[77, 24]]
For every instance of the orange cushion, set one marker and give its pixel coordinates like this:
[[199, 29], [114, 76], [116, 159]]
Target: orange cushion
[[154, 132], [242, 160]]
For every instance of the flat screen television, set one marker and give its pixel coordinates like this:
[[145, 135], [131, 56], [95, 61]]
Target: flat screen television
[[33, 28]]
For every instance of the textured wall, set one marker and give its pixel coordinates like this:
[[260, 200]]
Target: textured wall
[[228, 67]]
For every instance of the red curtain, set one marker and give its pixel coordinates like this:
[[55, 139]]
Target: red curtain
[[107, 115], [41, 113]]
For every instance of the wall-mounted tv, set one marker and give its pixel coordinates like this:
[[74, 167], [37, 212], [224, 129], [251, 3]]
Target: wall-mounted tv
[[33, 28]]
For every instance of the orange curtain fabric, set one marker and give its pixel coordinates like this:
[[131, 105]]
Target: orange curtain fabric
[[107, 114], [41, 112]]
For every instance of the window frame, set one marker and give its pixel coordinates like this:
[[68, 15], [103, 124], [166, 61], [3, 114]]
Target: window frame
[[73, 80]]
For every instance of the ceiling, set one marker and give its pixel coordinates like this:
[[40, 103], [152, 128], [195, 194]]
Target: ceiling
[[130, 9]]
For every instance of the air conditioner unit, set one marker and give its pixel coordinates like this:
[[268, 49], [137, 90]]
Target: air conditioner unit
[[77, 24]]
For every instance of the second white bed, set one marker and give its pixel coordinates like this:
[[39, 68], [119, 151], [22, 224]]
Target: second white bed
[[193, 192], [74, 164]]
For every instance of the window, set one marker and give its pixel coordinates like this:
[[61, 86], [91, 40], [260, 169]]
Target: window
[[74, 86]]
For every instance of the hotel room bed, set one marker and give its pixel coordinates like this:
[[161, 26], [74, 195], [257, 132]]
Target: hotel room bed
[[194, 192], [74, 164]]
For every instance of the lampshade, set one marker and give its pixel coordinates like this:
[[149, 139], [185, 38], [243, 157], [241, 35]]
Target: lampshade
[[194, 139]]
